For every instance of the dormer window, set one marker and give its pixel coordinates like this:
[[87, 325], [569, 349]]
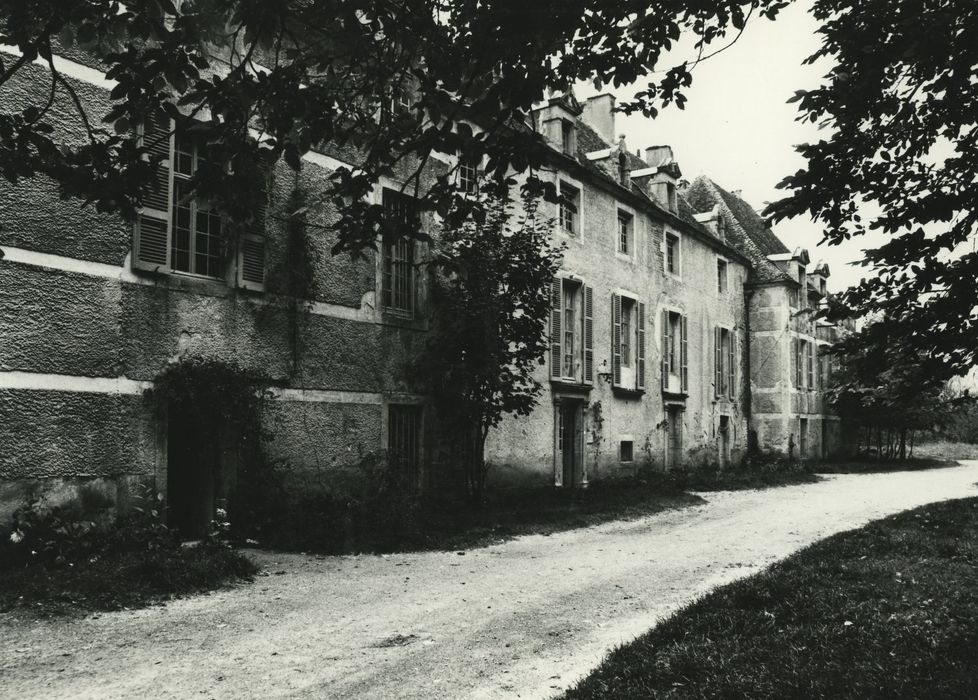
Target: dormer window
[[568, 141], [623, 176], [672, 197]]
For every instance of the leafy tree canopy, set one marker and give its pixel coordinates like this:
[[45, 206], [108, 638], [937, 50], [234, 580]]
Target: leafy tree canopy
[[387, 80], [899, 156]]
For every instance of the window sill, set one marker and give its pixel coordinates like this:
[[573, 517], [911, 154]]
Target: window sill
[[626, 393], [401, 320], [570, 386]]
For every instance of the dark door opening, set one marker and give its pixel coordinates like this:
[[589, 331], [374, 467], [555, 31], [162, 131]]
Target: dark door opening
[[803, 438], [674, 437], [570, 442], [404, 443], [192, 473], [724, 442]]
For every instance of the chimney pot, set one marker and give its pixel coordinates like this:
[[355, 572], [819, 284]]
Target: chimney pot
[[658, 155]]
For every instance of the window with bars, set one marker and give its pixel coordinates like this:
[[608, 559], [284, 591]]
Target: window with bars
[[570, 199], [626, 451], [404, 441], [398, 254], [624, 233]]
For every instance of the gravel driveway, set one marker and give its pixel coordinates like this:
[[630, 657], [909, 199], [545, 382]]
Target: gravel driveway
[[521, 619]]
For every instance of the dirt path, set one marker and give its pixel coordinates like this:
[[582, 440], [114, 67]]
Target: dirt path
[[522, 619]]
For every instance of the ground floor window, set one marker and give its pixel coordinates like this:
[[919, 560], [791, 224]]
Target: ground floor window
[[802, 438], [404, 441], [674, 437]]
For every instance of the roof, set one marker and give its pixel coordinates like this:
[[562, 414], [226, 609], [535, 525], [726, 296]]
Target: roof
[[588, 141], [746, 230]]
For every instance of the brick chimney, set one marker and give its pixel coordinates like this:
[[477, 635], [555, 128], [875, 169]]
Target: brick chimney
[[599, 114]]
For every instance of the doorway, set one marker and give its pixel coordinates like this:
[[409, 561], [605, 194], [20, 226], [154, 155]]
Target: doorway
[[192, 472], [724, 442], [674, 437], [802, 438], [569, 466]]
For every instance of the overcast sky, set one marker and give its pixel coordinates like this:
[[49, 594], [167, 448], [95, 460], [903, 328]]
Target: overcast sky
[[738, 129]]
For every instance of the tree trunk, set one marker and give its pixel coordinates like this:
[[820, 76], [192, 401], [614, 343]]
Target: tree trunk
[[903, 444], [913, 433]]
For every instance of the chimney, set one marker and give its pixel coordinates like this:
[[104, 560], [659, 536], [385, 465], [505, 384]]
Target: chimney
[[599, 114], [739, 194], [658, 155]]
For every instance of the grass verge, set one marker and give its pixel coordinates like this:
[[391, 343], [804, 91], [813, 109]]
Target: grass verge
[[944, 449], [121, 579], [869, 466], [886, 611]]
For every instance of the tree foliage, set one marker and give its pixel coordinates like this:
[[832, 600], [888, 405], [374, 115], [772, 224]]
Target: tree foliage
[[899, 157], [491, 297], [384, 81]]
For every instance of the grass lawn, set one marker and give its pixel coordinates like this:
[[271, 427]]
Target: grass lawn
[[886, 611], [120, 579], [942, 449], [867, 466]]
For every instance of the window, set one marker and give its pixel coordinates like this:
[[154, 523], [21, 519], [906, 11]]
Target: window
[[568, 143], [571, 331], [398, 254], [721, 276], [623, 174], [175, 230], [724, 367], [802, 438], [810, 362], [673, 253], [823, 288], [404, 442], [570, 198], [195, 247], [804, 364], [625, 451], [675, 372], [571, 339], [793, 298], [624, 233], [627, 309], [627, 343], [468, 173]]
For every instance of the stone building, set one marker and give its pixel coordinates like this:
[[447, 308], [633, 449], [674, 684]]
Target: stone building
[[681, 327]]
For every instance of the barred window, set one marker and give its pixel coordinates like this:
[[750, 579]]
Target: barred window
[[398, 254]]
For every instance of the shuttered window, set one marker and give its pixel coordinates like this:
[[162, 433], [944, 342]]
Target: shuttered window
[[177, 231], [723, 357], [571, 331], [640, 349], [675, 353]]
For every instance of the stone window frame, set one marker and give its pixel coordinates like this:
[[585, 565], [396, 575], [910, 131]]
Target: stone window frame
[[723, 264], [631, 256], [578, 232], [677, 271]]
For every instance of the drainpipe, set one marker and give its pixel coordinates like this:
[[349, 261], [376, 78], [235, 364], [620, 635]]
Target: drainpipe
[[748, 398]]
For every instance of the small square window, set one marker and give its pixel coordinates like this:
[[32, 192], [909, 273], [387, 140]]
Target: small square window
[[625, 451]]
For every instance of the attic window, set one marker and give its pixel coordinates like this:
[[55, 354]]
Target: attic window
[[623, 176], [568, 143]]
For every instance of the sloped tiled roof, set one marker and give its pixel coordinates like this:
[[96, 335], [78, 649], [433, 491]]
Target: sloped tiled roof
[[746, 231], [588, 141]]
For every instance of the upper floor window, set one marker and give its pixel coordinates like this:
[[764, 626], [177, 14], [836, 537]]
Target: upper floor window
[[196, 242], [623, 174], [571, 331], [723, 363], [673, 254], [178, 231], [627, 342], [398, 278], [804, 362], [570, 202], [675, 367], [721, 276], [468, 171], [568, 142], [625, 233]]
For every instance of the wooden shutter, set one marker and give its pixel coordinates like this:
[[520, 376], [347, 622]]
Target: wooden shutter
[[731, 367], [684, 357], [151, 233], [556, 311], [252, 250], [251, 262], [640, 350], [717, 361], [796, 361], [616, 339], [665, 349], [558, 446], [588, 334], [810, 356]]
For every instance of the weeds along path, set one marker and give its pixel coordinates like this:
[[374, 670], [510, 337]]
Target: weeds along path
[[521, 619]]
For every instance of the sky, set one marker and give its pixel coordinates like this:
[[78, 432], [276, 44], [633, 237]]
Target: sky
[[738, 129]]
